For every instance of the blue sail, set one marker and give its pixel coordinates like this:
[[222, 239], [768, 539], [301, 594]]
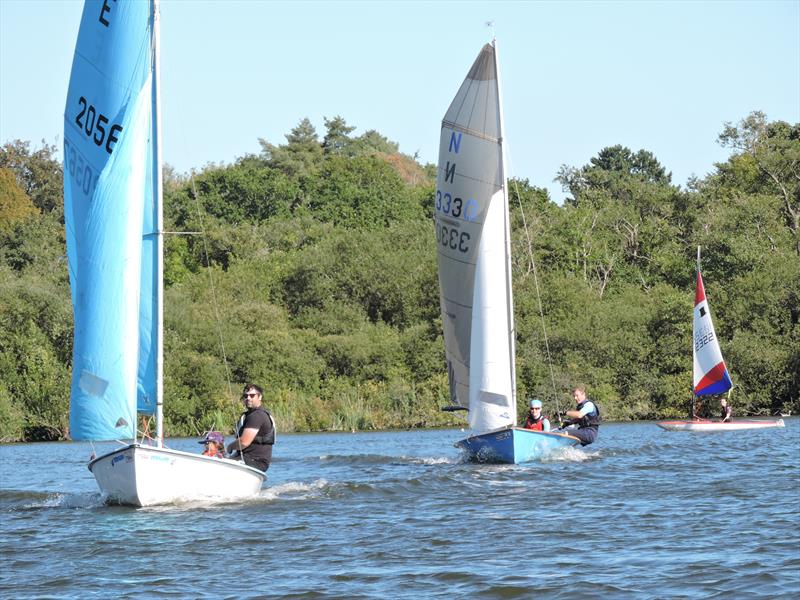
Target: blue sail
[[109, 217]]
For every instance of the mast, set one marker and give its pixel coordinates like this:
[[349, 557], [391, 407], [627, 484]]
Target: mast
[[509, 293], [158, 199]]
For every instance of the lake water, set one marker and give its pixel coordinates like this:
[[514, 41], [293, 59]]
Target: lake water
[[642, 513]]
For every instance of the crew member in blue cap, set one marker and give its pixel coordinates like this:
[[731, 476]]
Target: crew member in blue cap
[[536, 420]]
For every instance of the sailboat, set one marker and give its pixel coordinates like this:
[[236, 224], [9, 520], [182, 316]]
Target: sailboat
[[113, 219], [710, 374], [474, 255]]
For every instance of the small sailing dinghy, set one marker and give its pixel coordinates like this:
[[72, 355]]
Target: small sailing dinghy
[[113, 218], [710, 375], [474, 254], [705, 425]]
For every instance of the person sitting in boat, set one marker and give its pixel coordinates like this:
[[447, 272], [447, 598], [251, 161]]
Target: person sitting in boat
[[256, 431], [586, 416], [214, 444], [727, 410], [536, 420]]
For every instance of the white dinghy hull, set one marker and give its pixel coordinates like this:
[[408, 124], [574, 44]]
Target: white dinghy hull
[[719, 425], [139, 475]]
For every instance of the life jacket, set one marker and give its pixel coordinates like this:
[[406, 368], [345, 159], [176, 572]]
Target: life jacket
[[590, 420], [268, 439], [535, 425]]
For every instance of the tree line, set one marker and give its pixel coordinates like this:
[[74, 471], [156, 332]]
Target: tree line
[[316, 277]]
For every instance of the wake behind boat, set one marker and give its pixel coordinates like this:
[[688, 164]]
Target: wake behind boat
[[113, 220], [474, 253], [703, 425]]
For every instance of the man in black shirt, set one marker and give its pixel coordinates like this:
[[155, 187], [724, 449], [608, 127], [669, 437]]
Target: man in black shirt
[[256, 431]]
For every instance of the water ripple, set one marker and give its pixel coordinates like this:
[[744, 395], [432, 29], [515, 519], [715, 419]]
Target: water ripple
[[654, 514]]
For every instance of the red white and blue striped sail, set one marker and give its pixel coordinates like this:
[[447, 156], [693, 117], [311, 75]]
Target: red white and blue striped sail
[[710, 373]]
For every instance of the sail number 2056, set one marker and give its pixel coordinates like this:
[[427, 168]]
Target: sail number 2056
[[451, 237], [95, 126]]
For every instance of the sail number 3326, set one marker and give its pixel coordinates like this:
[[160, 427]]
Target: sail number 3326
[[96, 126]]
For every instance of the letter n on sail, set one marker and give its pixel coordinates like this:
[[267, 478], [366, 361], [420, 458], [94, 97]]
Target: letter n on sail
[[455, 142]]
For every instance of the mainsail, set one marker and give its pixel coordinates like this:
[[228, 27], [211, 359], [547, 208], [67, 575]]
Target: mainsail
[[710, 373], [472, 231], [110, 185]]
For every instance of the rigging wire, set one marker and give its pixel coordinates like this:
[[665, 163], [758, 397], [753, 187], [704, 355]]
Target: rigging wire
[[209, 270], [529, 247], [215, 305]]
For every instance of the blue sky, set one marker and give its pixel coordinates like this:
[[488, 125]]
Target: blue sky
[[576, 76]]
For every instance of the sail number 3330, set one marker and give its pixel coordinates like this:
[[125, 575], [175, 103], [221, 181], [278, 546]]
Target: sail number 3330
[[456, 207], [95, 126]]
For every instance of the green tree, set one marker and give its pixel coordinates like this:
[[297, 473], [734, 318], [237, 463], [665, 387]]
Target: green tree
[[37, 172], [15, 205], [773, 149], [302, 153], [337, 139]]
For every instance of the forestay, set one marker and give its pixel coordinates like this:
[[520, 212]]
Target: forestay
[[109, 191], [472, 231]]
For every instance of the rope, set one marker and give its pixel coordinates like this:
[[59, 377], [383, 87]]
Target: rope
[[146, 429], [214, 302], [538, 295]]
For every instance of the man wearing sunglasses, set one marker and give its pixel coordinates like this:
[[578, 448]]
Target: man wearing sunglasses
[[256, 431]]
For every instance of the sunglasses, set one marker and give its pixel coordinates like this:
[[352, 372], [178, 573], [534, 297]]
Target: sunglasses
[[250, 395]]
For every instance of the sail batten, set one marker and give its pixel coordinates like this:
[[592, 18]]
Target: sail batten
[[475, 132]]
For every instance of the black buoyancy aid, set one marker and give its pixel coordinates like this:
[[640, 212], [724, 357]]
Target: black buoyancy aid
[[269, 438], [591, 420]]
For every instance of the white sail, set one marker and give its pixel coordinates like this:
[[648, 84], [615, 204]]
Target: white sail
[[472, 231]]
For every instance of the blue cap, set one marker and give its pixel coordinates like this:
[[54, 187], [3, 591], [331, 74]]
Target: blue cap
[[535, 403]]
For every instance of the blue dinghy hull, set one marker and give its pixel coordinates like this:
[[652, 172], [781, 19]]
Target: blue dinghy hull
[[514, 445]]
